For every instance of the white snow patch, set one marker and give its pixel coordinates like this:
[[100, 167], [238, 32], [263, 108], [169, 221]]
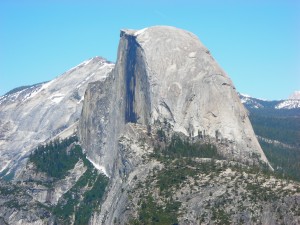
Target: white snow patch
[[140, 31], [81, 64], [56, 98], [98, 167], [295, 95], [46, 85], [250, 101], [87, 61], [2, 98], [245, 95], [81, 99], [288, 104], [5, 164], [248, 96], [85, 80], [31, 94]]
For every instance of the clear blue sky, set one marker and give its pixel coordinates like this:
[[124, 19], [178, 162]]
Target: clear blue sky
[[256, 42]]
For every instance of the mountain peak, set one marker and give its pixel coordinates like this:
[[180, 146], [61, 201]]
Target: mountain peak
[[100, 59], [165, 84], [165, 74], [30, 115], [295, 95]]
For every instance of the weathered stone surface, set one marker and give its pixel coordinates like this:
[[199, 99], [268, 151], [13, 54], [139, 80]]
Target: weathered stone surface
[[163, 75], [36, 183], [39, 113], [243, 195], [166, 74], [193, 92], [18, 208]]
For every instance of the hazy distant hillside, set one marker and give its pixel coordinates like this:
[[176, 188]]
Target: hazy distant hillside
[[277, 124]]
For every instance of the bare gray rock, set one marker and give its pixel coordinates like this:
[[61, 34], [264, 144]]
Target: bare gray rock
[[37, 183], [30, 116], [165, 74]]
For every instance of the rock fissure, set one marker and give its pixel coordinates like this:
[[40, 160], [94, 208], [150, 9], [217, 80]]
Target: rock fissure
[[153, 86], [130, 115]]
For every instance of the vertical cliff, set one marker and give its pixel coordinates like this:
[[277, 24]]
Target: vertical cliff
[[123, 97], [164, 79], [165, 74]]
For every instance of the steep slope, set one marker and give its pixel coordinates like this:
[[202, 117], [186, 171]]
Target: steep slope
[[165, 74], [180, 184], [190, 90], [32, 115], [58, 186], [165, 82]]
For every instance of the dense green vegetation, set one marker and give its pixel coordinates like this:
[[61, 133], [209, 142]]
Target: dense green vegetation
[[269, 110], [183, 168], [178, 148], [57, 157], [153, 213], [7, 175], [179, 170], [78, 204], [286, 161], [283, 129], [220, 216], [91, 200], [181, 148], [285, 158], [179, 165]]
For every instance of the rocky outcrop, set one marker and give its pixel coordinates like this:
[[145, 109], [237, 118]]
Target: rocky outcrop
[[165, 74], [190, 190], [58, 185], [38, 113], [45, 189], [18, 207]]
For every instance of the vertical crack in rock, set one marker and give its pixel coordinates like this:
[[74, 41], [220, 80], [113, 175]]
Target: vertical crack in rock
[[130, 115], [137, 99], [154, 67]]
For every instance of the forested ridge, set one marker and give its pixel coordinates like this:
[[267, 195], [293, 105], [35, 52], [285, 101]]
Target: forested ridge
[[279, 136]]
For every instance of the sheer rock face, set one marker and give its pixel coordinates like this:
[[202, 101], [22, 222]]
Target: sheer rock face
[[35, 114], [165, 74], [193, 92], [121, 98], [162, 75]]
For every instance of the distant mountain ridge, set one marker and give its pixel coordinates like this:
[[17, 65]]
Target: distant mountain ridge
[[295, 95], [277, 126], [285, 107], [30, 115]]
